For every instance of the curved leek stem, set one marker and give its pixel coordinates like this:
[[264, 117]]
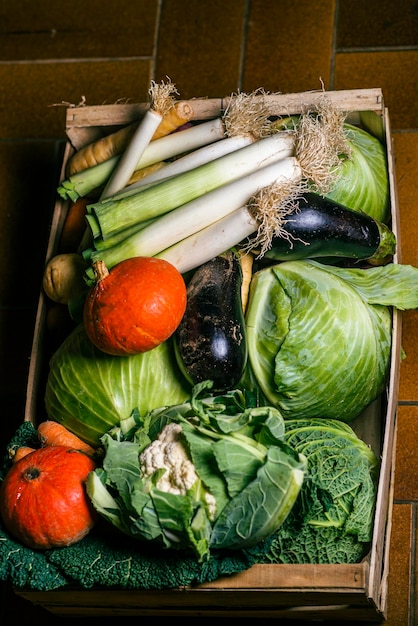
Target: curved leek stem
[[133, 153]]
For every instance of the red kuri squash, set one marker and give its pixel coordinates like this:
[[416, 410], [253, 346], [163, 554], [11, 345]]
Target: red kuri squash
[[135, 306], [43, 501]]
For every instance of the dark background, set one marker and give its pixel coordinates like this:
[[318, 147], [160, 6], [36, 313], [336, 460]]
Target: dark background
[[55, 54]]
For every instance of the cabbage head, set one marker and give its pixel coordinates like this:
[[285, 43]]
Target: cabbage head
[[89, 391], [332, 519], [363, 182], [224, 447], [317, 346]]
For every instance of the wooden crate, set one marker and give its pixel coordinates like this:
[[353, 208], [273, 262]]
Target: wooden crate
[[309, 592]]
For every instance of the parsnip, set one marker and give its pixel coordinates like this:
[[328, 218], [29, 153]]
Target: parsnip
[[247, 261], [114, 144], [63, 277]]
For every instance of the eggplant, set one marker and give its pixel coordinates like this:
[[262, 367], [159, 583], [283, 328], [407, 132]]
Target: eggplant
[[210, 342], [321, 227]]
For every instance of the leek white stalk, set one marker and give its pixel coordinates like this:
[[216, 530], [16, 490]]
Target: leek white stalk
[[127, 163], [83, 183], [189, 161], [109, 216], [215, 239], [193, 216], [162, 100], [264, 214]]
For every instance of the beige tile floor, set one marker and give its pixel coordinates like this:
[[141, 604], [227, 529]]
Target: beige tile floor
[[107, 51]]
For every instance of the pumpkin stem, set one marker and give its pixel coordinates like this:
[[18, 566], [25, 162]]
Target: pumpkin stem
[[100, 270], [31, 473]]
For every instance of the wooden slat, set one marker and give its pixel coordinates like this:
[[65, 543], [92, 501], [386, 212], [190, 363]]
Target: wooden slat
[[230, 600], [118, 114], [37, 351], [86, 123], [286, 577], [334, 613], [344, 100], [377, 584]]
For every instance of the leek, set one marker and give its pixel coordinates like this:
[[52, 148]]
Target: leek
[[215, 239], [162, 96], [88, 180], [203, 211], [127, 164], [109, 216], [196, 215], [116, 239], [189, 161]]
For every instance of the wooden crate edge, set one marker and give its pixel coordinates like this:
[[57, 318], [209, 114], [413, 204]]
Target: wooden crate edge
[[378, 580], [86, 123], [366, 582]]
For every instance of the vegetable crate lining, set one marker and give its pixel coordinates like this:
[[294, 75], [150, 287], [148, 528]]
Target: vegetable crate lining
[[326, 592]]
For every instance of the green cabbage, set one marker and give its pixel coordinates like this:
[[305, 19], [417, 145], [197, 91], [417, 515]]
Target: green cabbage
[[332, 520], [89, 391], [319, 336], [363, 184]]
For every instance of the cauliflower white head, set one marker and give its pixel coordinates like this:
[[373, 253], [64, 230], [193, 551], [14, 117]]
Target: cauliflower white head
[[169, 452]]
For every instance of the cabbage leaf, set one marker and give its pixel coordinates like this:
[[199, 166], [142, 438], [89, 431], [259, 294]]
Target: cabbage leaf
[[319, 336], [332, 519], [89, 391], [363, 180]]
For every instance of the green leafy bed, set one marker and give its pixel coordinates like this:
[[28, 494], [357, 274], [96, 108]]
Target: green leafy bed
[[331, 522], [108, 559]]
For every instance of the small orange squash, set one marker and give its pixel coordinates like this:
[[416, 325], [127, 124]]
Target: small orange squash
[[43, 501], [135, 306]]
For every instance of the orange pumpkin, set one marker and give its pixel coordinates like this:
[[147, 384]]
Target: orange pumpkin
[[43, 501], [135, 306]]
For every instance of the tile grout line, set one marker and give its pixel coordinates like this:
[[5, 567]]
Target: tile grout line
[[407, 402], [333, 45], [243, 48], [156, 40], [371, 49], [412, 575], [81, 60]]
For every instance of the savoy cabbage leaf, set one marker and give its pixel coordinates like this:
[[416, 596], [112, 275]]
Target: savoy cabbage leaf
[[332, 519]]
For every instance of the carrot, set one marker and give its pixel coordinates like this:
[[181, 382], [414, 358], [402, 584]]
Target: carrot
[[114, 144], [52, 433], [19, 453], [74, 225]]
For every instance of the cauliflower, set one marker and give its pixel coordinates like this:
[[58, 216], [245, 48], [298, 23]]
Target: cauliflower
[[169, 452]]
